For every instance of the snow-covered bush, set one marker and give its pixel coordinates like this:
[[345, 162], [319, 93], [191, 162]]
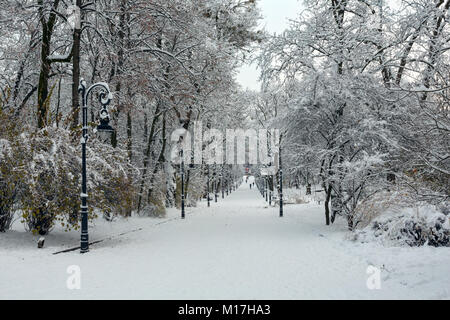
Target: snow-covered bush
[[156, 197], [418, 226], [53, 170], [293, 196], [7, 187], [51, 188], [11, 171], [111, 179], [381, 202], [115, 196], [196, 187]]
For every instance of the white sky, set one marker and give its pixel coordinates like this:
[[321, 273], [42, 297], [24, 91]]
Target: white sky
[[276, 14]]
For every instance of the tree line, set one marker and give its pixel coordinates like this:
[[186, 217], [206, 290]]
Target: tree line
[[361, 89], [168, 63]]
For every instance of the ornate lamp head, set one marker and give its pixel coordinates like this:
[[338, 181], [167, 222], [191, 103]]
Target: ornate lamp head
[[104, 129]]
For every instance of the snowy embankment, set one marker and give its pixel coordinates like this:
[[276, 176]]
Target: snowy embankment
[[420, 226], [237, 249]]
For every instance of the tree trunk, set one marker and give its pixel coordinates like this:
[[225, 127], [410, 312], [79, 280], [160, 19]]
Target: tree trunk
[[43, 78], [57, 118], [76, 71], [147, 155], [44, 74], [327, 204], [129, 136]]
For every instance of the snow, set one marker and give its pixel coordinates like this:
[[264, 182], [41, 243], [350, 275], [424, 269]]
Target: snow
[[423, 225], [5, 148], [237, 249], [59, 56]]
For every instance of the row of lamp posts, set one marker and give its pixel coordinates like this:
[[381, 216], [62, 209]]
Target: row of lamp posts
[[228, 189], [266, 190], [104, 128]]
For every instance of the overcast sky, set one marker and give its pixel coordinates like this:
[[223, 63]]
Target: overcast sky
[[276, 14]]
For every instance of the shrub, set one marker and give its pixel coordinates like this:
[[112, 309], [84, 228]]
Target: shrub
[[412, 227], [8, 186], [52, 191], [11, 170]]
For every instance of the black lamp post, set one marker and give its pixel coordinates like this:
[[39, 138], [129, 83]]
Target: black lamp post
[[270, 191], [207, 187], [222, 184], [105, 98], [267, 188], [227, 186], [281, 182], [215, 184], [260, 187], [182, 184], [215, 190], [264, 187]]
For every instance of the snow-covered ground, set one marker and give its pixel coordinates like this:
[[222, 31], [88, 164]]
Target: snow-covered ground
[[237, 249]]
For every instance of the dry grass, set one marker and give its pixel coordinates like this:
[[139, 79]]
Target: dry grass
[[382, 202]]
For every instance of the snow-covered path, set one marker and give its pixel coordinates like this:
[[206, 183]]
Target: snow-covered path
[[237, 249]]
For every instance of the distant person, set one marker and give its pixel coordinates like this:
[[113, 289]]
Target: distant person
[[250, 186]]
